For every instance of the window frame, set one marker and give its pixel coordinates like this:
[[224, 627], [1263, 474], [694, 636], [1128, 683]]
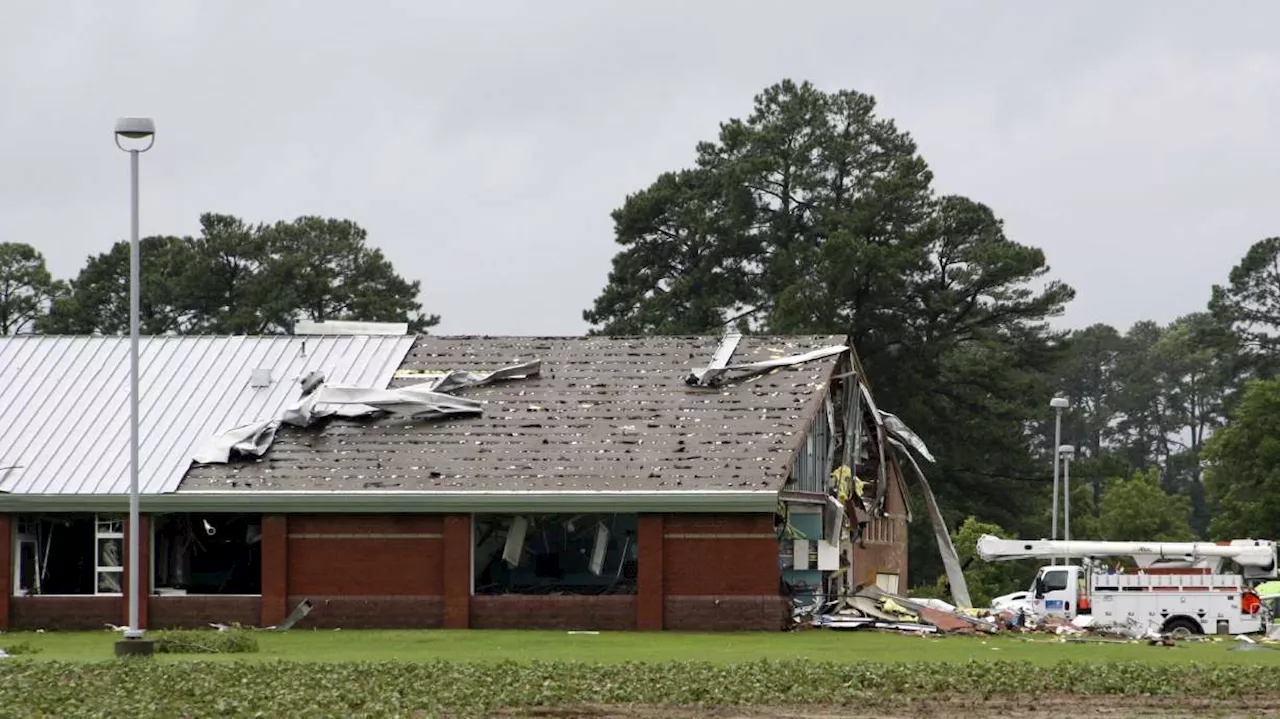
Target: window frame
[[108, 529], [1066, 580]]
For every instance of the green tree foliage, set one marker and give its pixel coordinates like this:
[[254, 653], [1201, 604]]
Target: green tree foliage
[[240, 279], [1243, 479], [26, 288], [1085, 522], [1091, 380], [1138, 509], [1144, 423], [323, 269], [1250, 301], [819, 215], [98, 300], [1148, 399]]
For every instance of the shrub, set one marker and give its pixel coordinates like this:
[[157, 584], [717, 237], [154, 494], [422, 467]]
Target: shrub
[[22, 647], [204, 641]]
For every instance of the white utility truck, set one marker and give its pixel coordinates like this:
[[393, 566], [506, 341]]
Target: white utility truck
[[1177, 587]]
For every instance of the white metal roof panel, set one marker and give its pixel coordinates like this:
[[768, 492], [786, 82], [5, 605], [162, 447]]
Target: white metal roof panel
[[64, 401]]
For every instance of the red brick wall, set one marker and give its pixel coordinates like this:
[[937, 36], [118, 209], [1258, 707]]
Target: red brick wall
[[882, 548], [390, 555], [371, 612], [650, 594], [199, 611], [712, 555], [720, 571], [64, 612], [6, 568], [364, 571], [513, 611], [275, 569], [709, 614], [697, 572], [456, 568]]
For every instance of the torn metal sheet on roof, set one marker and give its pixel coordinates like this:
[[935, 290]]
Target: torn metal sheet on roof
[[321, 401], [882, 486], [712, 376], [248, 439], [415, 401], [458, 379], [64, 410], [901, 431], [712, 372]]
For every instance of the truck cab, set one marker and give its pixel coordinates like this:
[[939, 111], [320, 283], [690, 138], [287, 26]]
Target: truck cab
[[1060, 591]]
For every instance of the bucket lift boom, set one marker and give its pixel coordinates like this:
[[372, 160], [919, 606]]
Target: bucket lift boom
[[1256, 557]]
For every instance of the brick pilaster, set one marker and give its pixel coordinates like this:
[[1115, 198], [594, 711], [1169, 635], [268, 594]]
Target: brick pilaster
[[457, 571], [649, 603], [275, 569], [6, 567]]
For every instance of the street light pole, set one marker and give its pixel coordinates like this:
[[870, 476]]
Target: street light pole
[[1057, 403], [134, 128], [1067, 452]]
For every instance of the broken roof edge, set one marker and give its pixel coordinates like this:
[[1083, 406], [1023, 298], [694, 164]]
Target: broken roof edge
[[393, 501]]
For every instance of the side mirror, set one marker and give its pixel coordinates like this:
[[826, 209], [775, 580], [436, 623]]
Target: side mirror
[[1039, 587]]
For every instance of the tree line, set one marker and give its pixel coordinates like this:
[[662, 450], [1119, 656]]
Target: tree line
[[814, 214], [232, 278]]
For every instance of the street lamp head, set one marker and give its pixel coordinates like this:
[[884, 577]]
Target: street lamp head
[[1059, 403], [135, 128], [1067, 450]]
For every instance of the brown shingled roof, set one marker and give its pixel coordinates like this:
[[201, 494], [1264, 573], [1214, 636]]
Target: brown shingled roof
[[605, 414]]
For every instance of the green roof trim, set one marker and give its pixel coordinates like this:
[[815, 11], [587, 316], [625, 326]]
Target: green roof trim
[[379, 501]]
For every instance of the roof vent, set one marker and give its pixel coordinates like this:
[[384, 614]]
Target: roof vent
[[349, 327], [260, 377]]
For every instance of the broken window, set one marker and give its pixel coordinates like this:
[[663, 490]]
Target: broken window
[[887, 583], [109, 554], [69, 554], [207, 553], [556, 554]]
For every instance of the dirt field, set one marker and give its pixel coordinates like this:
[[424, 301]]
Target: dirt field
[[1001, 708]]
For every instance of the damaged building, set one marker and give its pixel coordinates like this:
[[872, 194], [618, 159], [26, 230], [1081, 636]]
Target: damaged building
[[693, 483]]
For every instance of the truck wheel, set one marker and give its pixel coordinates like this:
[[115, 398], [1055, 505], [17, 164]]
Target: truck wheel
[[1182, 627]]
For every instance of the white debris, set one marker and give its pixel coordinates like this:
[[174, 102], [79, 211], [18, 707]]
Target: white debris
[[1082, 621], [938, 604]]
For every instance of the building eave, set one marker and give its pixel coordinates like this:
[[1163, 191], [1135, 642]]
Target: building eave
[[380, 501]]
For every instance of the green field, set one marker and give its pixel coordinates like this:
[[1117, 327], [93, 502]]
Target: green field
[[804, 674], [614, 647]]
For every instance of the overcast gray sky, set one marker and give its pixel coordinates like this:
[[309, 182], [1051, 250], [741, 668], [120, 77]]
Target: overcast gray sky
[[483, 144]]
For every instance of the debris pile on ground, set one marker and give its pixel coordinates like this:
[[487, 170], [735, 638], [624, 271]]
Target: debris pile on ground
[[872, 608]]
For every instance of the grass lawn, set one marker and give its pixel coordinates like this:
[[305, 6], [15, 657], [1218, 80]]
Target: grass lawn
[[616, 647]]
